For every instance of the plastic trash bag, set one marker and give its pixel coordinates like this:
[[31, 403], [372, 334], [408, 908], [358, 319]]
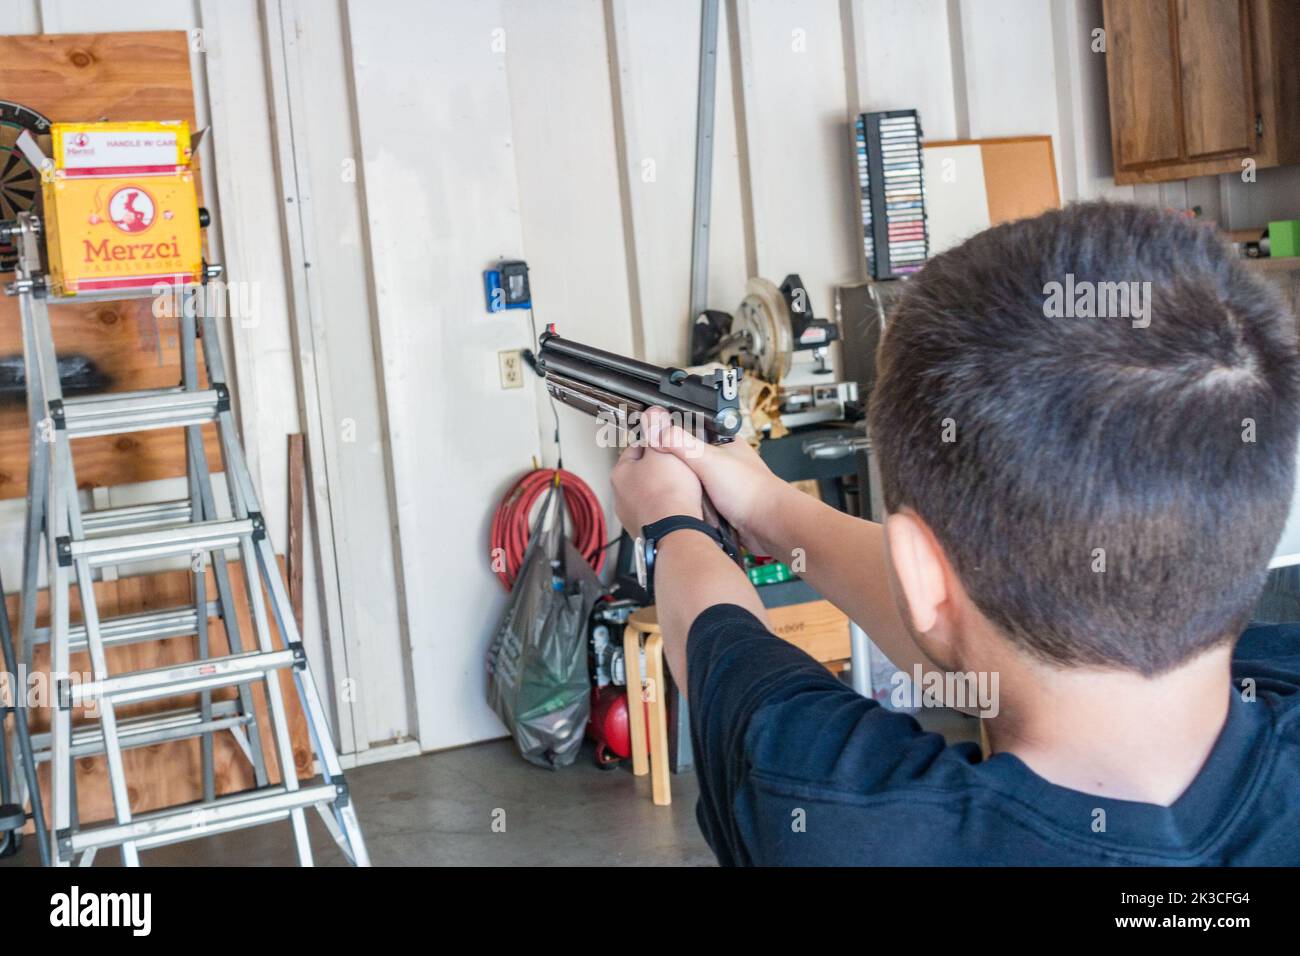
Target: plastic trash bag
[[537, 663]]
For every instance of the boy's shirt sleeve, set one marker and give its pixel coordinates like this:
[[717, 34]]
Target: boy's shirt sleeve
[[1268, 656], [760, 706]]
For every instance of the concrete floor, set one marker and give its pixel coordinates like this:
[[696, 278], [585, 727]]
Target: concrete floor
[[438, 810]]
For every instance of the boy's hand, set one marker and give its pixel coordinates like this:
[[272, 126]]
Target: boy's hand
[[648, 487], [741, 487]]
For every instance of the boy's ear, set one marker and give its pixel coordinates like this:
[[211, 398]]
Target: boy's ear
[[920, 567]]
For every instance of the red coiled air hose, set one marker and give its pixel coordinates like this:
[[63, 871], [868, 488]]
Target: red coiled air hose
[[512, 523]]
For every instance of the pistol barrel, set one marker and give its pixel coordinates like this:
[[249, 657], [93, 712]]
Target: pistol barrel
[[599, 382]]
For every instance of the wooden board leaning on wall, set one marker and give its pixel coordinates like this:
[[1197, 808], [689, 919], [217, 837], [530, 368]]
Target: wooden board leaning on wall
[[87, 77]]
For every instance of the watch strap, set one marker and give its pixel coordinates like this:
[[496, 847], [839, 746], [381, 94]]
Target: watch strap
[[656, 531]]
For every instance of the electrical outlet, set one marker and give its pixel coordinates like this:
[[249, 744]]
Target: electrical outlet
[[512, 368]]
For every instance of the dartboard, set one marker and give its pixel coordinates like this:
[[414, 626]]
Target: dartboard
[[20, 185]]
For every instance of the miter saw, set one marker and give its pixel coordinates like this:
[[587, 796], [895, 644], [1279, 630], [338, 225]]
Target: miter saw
[[775, 335]]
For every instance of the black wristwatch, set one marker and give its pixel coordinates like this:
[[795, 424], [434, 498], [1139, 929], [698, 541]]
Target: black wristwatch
[[647, 545]]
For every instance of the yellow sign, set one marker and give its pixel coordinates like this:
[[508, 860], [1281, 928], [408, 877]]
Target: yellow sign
[[121, 210]]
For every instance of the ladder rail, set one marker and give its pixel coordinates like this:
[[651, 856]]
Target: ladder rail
[[107, 708], [275, 700], [244, 501], [62, 769], [198, 463], [37, 467], [193, 437]]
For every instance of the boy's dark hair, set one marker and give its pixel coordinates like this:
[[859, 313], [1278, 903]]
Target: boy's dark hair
[[1110, 494]]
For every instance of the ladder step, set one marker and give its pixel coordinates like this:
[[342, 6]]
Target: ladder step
[[186, 678], [129, 628], [161, 542], [200, 819], [117, 412], [136, 517], [151, 625], [147, 729]]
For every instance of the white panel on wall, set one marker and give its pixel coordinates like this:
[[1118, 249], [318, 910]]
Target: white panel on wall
[[248, 189], [562, 118], [92, 16], [242, 189], [957, 203], [367, 545], [20, 16], [660, 63], [657, 56], [1009, 70], [439, 168], [904, 61]]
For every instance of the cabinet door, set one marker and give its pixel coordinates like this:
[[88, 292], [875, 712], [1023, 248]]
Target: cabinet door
[[1144, 82], [1182, 86], [1218, 107]]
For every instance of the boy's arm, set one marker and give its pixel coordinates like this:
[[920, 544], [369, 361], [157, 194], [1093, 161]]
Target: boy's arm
[[692, 574], [843, 557]]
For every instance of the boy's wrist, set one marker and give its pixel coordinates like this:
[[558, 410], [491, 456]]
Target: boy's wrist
[[778, 522], [669, 540]]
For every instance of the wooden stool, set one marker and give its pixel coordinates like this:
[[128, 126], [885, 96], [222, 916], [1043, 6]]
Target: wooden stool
[[650, 689], [816, 627]]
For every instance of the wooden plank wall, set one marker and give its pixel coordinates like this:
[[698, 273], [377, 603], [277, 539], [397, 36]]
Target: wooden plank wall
[[83, 77]]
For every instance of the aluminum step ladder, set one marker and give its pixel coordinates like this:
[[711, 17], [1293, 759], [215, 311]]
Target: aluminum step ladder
[[71, 544]]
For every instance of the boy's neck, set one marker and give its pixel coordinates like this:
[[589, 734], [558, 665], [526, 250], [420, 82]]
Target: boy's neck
[[1114, 733]]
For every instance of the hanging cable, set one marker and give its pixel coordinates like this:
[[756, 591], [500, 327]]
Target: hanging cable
[[555, 412]]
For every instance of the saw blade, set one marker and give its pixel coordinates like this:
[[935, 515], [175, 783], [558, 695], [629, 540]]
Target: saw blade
[[763, 315]]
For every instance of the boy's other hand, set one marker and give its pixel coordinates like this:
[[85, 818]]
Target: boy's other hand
[[740, 485], [648, 487]]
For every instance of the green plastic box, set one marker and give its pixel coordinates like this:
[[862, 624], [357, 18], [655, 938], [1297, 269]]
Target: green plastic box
[[1284, 238], [773, 573]]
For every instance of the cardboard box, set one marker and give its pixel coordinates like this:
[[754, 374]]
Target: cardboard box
[[1284, 238], [121, 209]]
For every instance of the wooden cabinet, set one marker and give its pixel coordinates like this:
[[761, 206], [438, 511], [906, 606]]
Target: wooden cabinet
[[1199, 86]]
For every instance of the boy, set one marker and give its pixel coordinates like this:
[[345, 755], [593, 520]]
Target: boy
[[1082, 500]]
